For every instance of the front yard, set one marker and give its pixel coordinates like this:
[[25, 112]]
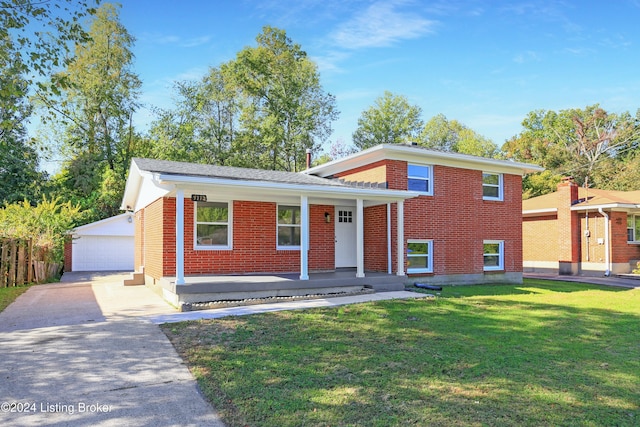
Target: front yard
[[8, 295], [544, 353]]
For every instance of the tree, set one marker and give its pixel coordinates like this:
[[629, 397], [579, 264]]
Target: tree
[[35, 37], [203, 125], [583, 143], [391, 120], [18, 159], [451, 135], [285, 111], [96, 109]]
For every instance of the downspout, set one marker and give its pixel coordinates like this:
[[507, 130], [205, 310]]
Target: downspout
[[607, 255]]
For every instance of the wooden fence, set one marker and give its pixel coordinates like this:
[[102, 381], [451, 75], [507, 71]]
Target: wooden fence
[[16, 262]]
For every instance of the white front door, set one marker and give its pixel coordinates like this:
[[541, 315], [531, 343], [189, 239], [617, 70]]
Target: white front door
[[345, 237]]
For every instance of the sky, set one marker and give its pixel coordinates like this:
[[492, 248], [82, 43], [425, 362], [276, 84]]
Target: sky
[[484, 63]]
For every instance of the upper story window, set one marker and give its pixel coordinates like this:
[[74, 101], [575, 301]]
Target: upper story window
[[633, 228], [493, 252], [419, 256], [213, 229], [492, 186], [420, 178], [288, 227]]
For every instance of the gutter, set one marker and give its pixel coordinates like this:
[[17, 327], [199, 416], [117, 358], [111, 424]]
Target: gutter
[[334, 190]]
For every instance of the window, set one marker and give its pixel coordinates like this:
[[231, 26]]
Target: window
[[493, 251], [419, 256], [491, 186], [212, 225], [633, 228], [345, 216], [288, 227], [419, 178]]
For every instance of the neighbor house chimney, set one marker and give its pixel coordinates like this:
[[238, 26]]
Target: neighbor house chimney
[[308, 158], [568, 227]]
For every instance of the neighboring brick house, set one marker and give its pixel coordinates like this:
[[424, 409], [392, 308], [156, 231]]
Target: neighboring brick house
[[458, 215], [580, 231]]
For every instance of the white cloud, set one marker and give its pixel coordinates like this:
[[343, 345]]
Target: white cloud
[[381, 25], [528, 56], [170, 39]]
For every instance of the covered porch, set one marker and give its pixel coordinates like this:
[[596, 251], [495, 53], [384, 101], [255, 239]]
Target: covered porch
[[206, 288]]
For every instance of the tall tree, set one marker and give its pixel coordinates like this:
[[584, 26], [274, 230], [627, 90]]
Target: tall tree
[[202, 126], [286, 110], [451, 135], [582, 143], [391, 120], [19, 173], [35, 37], [96, 108]]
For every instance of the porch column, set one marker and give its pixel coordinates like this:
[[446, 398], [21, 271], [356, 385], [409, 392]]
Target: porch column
[[179, 236], [359, 238], [389, 258], [304, 238], [400, 238]]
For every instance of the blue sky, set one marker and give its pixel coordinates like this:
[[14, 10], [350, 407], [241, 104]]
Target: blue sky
[[484, 63]]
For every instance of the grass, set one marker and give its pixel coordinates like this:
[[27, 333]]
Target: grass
[[543, 353], [8, 295]]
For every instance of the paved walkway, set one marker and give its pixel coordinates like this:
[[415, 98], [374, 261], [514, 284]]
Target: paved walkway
[[88, 351], [595, 280]]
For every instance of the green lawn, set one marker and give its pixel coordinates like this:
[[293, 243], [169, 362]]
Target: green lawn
[[544, 353], [8, 295]]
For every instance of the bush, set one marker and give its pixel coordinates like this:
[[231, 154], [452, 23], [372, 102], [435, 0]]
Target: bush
[[45, 224]]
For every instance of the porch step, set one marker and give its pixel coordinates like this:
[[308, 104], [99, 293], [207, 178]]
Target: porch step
[[135, 280], [267, 300]]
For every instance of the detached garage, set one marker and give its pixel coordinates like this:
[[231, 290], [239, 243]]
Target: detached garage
[[105, 245]]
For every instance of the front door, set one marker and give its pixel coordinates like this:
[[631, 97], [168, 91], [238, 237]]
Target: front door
[[345, 237]]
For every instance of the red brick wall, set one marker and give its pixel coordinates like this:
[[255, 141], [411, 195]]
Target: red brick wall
[[321, 238], [68, 254], [153, 242], [254, 242], [456, 218], [622, 252], [375, 238]]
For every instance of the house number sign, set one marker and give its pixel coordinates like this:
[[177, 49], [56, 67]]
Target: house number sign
[[198, 197]]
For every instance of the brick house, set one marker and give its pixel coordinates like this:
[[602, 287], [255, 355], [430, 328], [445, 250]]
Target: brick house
[[217, 228], [583, 231]]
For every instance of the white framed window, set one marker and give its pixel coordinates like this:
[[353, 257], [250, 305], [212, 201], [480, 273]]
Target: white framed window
[[288, 227], [633, 228], [212, 225], [420, 178], [419, 256], [493, 252], [492, 186]]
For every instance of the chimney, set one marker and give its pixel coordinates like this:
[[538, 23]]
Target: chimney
[[569, 243], [308, 158], [568, 191]]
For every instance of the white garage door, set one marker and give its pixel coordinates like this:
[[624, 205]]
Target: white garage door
[[103, 253]]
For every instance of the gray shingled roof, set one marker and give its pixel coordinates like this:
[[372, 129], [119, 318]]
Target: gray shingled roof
[[229, 172]]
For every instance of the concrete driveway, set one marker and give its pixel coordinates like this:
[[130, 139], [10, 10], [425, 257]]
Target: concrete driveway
[[78, 353]]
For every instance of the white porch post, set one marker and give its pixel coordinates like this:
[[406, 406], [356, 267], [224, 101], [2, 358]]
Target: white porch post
[[389, 258], [180, 236], [359, 238], [304, 238], [400, 238]]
